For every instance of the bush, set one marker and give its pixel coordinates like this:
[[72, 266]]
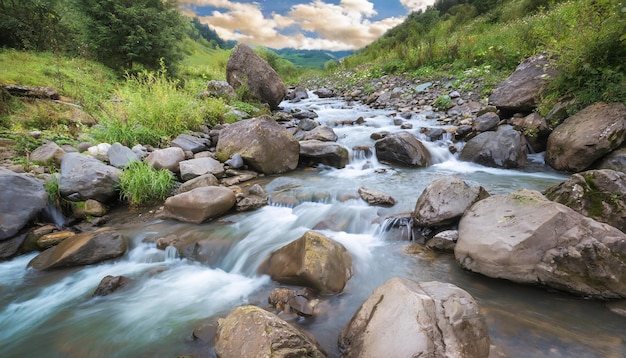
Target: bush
[[141, 184]]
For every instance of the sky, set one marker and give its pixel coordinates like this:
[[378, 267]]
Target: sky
[[333, 25]]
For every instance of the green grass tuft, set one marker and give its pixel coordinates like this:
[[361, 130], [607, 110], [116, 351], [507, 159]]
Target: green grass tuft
[[141, 184]]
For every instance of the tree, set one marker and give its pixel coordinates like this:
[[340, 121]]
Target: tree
[[125, 33]]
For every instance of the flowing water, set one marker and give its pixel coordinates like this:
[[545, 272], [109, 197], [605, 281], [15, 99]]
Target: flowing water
[[52, 314]]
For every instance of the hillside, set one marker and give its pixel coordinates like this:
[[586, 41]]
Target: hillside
[[311, 58]]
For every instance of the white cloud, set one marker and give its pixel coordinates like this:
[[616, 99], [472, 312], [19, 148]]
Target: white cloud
[[337, 27], [415, 5]]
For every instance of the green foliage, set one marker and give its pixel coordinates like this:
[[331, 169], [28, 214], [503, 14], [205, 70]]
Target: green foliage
[[52, 189], [443, 102], [150, 109], [141, 184]]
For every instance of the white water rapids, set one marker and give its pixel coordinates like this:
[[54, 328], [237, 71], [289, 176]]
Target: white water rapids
[[52, 314]]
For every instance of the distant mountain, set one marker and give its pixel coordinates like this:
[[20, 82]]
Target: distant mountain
[[311, 58]]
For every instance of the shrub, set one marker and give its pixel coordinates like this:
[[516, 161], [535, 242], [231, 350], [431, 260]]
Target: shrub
[[141, 184]]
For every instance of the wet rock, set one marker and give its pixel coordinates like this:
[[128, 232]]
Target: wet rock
[[22, 199], [445, 200], [49, 153], [110, 284], [314, 261], [374, 197], [526, 238], [404, 318], [190, 143], [52, 239], [193, 168], [262, 143], [404, 149], [301, 302], [535, 129], [250, 331], [168, 158], [198, 182], [314, 152], [586, 137], [616, 160], [85, 178], [199, 204], [598, 194], [82, 249], [504, 148], [297, 94], [443, 241], [120, 155], [324, 93], [486, 122], [322, 133], [13, 246], [246, 68]]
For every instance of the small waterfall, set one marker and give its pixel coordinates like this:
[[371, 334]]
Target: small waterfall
[[396, 229], [171, 253], [53, 214]]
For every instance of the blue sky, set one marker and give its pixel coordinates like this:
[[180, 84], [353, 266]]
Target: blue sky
[[304, 24]]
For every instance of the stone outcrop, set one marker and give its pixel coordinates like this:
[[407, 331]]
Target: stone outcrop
[[586, 137], [504, 148], [314, 261], [251, 332], [445, 200], [83, 178], [403, 149], [22, 198], [82, 249], [526, 238], [404, 318], [246, 68], [313, 152], [598, 194], [262, 143], [521, 92], [199, 204]]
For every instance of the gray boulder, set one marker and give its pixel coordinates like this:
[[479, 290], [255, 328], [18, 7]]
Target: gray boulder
[[404, 318], [49, 153], [616, 160], [314, 152], [598, 194], [250, 332], [322, 133], [504, 148], [486, 122], [526, 238], [521, 92], [246, 68], [404, 149], [190, 143], [22, 199], [314, 261], [120, 155], [194, 168], [198, 182], [199, 204], [445, 200], [168, 158], [262, 143], [586, 137], [82, 249], [83, 178]]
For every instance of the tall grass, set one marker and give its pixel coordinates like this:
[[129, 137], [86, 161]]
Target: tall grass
[[141, 184]]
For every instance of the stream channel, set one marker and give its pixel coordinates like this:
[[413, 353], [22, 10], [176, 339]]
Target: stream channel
[[52, 314]]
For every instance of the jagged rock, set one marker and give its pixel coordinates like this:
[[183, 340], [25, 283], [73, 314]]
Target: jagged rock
[[526, 238], [194, 168], [262, 143], [314, 261], [49, 153], [404, 318], [198, 182], [403, 148], [168, 158], [22, 198], [189, 143], [235, 162], [586, 137], [82, 249], [120, 155], [246, 68], [374, 197], [85, 178], [598, 194], [445, 200], [109, 284], [535, 130], [250, 331], [314, 152], [199, 204], [504, 148]]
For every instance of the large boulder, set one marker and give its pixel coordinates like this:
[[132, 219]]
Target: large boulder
[[120, 155], [168, 158], [526, 238], [314, 261], [404, 318], [445, 200], [193, 168], [200, 204], [404, 149], [314, 152], [586, 137], [323, 133], [262, 143], [598, 194], [22, 198], [82, 249], [83, 178], [47, 154], [521, 92], [245, 68], [250, 332], [504, 148]]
